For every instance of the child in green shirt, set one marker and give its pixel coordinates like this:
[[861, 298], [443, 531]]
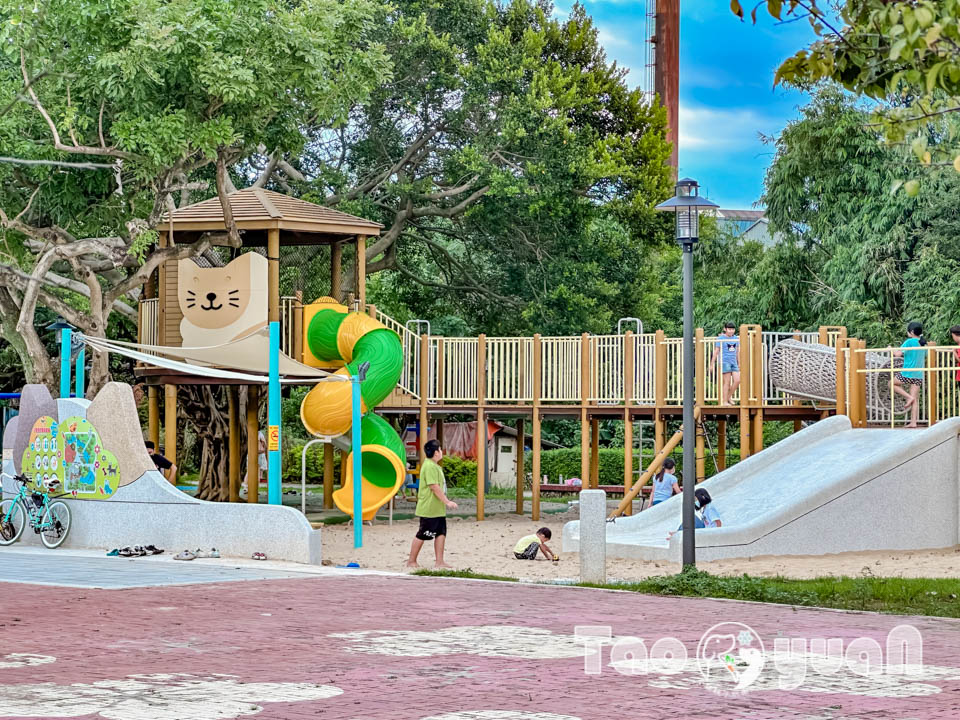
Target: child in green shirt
[[528, 546], [432, 504]]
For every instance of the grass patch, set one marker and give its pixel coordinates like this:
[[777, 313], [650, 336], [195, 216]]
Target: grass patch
[[468, 573], [933, 597], [937, 597]]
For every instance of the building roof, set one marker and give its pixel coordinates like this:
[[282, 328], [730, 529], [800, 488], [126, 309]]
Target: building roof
[[751, 215], [259, 209]]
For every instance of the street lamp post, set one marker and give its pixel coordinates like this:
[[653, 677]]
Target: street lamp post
[[686, 206]]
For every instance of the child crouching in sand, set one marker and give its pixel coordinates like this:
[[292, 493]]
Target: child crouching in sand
[[527, 546]]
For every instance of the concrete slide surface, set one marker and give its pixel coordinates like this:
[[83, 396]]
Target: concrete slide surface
[[829, 488]]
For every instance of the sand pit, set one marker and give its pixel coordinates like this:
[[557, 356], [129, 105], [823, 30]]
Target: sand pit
[[486, 547]]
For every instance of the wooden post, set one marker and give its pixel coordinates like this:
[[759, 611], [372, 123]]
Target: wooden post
[[481, 422], [297, 343], [722, 444], [233, 461], [932, 386], [841, 377], [584, 394], [336, 276], [328, 476], [535, 440], [253, 443], [153, 414], [659, 390], [170, 425], [372, 311], [823, 336], [273, 275], [520, 457], [439, 423], [746, 436], [757, 431], [361, 270], [424, 379], [797, 425], [628, 372], [594, 452]]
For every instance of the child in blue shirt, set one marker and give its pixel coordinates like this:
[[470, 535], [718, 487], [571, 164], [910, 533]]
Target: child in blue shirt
[[706, 515], [911, 376], [727, 351], [665, 483]]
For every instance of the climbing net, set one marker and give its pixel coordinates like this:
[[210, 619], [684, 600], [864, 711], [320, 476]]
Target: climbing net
[[809, 370]]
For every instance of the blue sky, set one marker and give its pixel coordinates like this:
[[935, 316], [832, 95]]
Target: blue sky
[[727, 98]]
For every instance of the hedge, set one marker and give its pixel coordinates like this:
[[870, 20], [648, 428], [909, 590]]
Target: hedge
[[463, 473]]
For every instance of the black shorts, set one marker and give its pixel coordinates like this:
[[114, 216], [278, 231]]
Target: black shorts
[[907, 380], [431, 528], [529, 554]]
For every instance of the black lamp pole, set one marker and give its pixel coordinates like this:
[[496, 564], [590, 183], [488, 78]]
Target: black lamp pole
[[687, 205]]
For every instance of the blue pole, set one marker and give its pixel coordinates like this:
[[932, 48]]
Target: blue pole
[[66, 337], [273, 419], [81, 380], [357, 464]]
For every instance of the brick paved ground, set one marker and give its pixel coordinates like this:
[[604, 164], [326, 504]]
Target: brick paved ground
[[411, 648]]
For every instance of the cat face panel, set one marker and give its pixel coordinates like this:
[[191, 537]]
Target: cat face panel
[[214, 298]]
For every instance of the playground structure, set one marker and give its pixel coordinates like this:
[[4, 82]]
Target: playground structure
[[628, 376], [830, 488]]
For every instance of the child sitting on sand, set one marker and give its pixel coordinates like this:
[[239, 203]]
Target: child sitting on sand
[[527, 546]]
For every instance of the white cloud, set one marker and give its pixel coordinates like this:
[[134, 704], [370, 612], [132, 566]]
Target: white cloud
[[723, 129], [154, 697]]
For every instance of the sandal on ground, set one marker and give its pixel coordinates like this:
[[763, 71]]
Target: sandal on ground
[[211, 553], [114, 553], [125, 552], [153, 550], [259, 556], [184, 555]]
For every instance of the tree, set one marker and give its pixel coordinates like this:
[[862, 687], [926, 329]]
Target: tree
[[107, 131], [115, 112], [906, 55], [852, 253], [510, 163]]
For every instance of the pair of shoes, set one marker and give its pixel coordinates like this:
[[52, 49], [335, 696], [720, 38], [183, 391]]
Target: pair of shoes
[[184, 555], [113, 553], [259, 556], [211, 553], [135, 551], [153, 550]]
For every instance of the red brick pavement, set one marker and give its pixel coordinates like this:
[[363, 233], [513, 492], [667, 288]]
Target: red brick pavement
[[104, 636]]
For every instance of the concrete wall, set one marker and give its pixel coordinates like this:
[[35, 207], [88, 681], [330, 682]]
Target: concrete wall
[[146, 509]]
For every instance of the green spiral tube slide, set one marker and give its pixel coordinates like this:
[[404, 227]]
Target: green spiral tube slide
[[335, 334]]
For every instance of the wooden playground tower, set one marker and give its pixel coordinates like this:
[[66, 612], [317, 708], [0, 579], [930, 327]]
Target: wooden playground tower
[[628, 376]]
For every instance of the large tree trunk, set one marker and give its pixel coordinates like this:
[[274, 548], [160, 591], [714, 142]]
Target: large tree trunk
[[205, 409]]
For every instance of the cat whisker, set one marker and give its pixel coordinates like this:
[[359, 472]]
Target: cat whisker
[[190, 292], [234, 305]]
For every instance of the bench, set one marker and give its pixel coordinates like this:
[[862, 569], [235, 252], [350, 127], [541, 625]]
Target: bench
[[609, 489]]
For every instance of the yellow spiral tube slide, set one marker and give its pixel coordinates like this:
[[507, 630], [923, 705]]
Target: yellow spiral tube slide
[[333, 333]]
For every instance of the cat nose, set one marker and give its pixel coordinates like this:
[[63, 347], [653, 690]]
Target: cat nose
[[211, 296]]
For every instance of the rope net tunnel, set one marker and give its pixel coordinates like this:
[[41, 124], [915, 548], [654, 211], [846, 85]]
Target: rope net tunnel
[[809, 370]]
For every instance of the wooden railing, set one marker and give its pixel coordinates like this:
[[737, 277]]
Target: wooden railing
[[148, 332]]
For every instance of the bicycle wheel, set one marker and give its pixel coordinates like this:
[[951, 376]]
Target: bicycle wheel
[[13, 518], [55, 524]]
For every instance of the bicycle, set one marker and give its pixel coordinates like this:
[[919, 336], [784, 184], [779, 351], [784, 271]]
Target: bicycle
[[50, 520]]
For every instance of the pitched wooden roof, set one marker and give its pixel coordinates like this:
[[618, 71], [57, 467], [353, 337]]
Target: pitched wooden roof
[[258, 209]]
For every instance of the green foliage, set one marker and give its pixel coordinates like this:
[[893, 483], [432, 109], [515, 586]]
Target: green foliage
[[905, 55], [568, 158], [459, 473], [853, 253]]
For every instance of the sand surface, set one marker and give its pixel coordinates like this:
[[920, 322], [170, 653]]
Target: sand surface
[[487, 547]]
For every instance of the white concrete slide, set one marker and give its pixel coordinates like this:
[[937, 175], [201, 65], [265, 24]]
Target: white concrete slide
[[826, 489]]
